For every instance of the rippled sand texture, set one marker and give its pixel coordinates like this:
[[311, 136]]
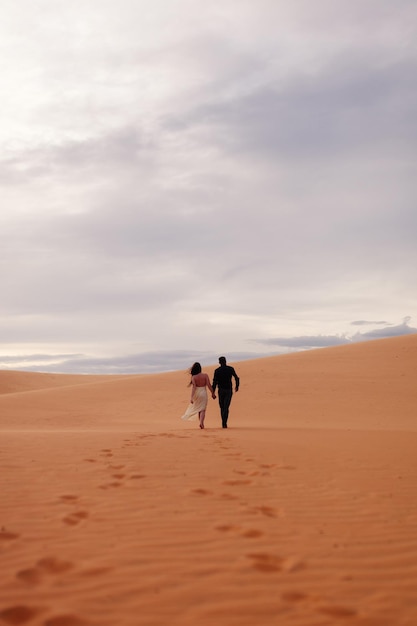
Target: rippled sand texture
[[304, 512]]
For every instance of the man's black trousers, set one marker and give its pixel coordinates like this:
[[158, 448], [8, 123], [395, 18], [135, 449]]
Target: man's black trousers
[[225, 398]]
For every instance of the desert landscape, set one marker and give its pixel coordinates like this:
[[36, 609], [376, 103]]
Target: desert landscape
[[115, 512]]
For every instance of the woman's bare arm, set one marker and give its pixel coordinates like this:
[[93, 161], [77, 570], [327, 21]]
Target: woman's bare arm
[[209, 384]]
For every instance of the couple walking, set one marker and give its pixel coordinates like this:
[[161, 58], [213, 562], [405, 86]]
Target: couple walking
[[222, 380]]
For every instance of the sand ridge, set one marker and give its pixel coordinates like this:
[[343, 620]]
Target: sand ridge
[[21, 381], [303, 513]]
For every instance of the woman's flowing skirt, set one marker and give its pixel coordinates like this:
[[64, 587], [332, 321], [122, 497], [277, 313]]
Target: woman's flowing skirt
[[199, 404]]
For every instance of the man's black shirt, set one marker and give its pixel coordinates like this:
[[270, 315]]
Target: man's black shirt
[[223, 378]]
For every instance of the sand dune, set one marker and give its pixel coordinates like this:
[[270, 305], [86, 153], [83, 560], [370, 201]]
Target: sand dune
[[303, 513], [18, 382]]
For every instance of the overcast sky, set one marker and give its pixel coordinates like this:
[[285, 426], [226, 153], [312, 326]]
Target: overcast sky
[[180, 180]]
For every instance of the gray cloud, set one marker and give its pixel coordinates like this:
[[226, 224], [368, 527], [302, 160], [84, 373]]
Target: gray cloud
[[145, 362], [323, 341], [389, 331], [345, 109], [367, 323], [174, 360], [305, 343], [190, 179], [30, 358]]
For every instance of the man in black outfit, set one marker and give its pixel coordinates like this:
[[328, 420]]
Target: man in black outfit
[[223, 380]]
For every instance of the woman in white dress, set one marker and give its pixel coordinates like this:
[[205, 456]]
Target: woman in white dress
[[198, 403]]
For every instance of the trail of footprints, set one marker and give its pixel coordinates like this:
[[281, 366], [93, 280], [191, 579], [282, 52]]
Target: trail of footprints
[[118, 473], [266, 562], [51, 567], [22, 614], [45, 569], [263, 562]]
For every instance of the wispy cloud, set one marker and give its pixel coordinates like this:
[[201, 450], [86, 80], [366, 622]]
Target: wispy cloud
[[369, 323], [36, 358], [388, 331], [174, 360], [142, 363], [323, 341]]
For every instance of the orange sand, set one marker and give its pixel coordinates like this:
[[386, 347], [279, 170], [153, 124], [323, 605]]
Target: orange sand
[[114, 512]]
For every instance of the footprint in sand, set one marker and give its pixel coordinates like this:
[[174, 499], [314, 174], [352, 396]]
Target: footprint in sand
[[111, 485], [75, 518], [265, 562], [19, 614], [52, 565], [268, 511], [228, 496], [65, 620], [202, 492], [249, 533], [137, 476], [294, 596], [69, 498], [337, 611], [293, 564], [237, 482], [225, 528], [252, 533], [30, 576], [49, 565], [6, 535], [90, 460]]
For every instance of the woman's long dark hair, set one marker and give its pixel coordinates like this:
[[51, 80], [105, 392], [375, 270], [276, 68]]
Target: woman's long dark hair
[[195, 369]]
